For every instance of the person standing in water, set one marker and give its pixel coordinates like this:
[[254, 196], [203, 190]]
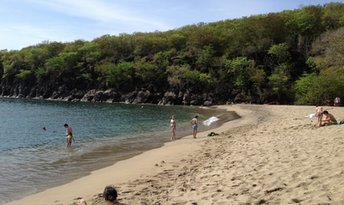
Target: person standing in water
[[194, 125], [173, 127], [69, 135]]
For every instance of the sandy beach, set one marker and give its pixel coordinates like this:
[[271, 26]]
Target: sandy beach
[[271, 155]]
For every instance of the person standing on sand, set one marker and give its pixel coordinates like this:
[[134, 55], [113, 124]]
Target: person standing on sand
[[173, 127], [69, 135], [194, 125], [336, 101]]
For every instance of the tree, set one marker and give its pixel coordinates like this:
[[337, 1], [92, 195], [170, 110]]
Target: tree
[[278, 81], [120, 75], [303, 88], [328, 49], [241, 69], [182, 77], [322, 89]]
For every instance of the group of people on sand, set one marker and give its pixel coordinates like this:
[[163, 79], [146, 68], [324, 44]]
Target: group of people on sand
[[194, 126], [325, 118]]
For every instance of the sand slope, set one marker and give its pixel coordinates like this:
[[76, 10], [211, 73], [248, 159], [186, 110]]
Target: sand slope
[[279, 159], [272, 155]]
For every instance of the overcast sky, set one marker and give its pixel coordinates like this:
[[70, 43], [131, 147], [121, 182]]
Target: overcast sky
[[28, 22]]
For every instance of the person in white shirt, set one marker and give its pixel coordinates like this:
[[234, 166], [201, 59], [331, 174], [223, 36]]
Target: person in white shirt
[[173, 127]]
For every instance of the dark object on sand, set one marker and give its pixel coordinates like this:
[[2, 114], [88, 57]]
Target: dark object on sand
[[212, 134]]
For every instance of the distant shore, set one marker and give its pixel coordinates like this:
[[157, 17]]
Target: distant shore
[[272, 154]]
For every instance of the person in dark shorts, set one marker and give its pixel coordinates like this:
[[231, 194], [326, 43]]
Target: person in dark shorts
[[194, 126], [69, 135]]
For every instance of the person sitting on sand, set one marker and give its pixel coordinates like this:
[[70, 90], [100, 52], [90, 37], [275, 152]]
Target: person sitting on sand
[[328, 119], [110, 196]]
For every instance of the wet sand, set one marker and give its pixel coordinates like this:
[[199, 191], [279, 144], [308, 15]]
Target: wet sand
[[271, 155]]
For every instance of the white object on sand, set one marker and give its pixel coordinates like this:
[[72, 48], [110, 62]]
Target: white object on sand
[[210, 121], [310, 116]]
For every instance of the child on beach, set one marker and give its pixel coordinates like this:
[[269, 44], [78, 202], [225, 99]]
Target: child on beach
[[194, 125]]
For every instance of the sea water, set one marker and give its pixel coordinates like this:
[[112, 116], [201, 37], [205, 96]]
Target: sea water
[[33, 159]]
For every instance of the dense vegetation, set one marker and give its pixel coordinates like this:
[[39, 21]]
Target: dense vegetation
[[292, 56]]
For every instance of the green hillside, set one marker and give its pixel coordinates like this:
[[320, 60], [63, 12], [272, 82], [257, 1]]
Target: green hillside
[[288, 57]]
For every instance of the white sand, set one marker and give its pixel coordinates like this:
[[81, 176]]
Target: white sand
[[272, 155]]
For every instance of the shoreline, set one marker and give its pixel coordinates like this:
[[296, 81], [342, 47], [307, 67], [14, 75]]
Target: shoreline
[[58, 193], [273, 154]]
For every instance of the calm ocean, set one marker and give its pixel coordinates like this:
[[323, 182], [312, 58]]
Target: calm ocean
[[33, 159]]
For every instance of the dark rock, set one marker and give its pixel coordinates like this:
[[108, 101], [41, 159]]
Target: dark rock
[[62, 89], [41, 93], [45, 92], [239, 98], [98, 96], [208, 103], [155, 98], [88, 97], [78, 94], [186, 98], [32, 93], [22, 91], [168, 99], [68, 98], [129, 97], [14, 91], [75, 100], [142, 97], [111, 96], [55, 95], [196, 99]]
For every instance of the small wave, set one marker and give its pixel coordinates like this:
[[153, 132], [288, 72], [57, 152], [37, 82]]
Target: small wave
[[210, 121]]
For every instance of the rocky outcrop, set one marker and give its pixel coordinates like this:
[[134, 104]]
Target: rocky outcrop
[[171, 97], [168, 99], [88, 97], [142, 97], [111, 96], [129, 97]]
